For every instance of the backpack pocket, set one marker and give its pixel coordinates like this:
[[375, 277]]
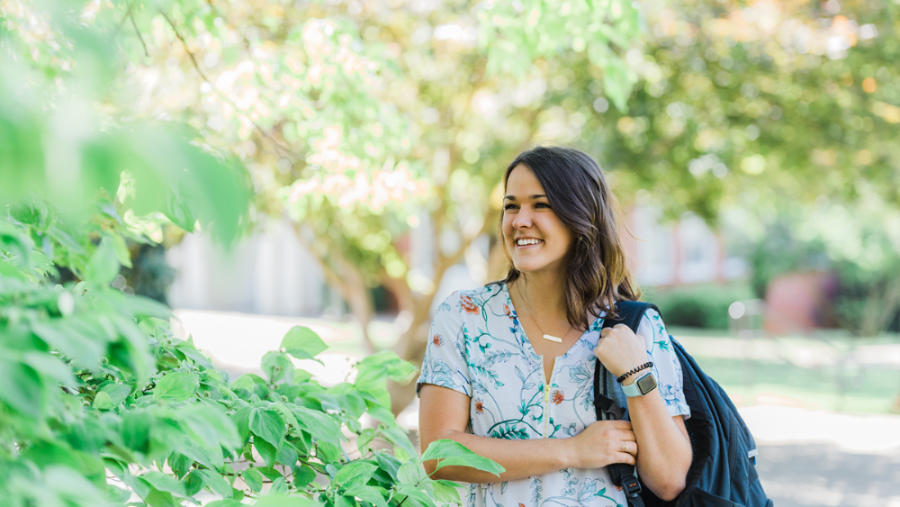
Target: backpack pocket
[[700, 498]]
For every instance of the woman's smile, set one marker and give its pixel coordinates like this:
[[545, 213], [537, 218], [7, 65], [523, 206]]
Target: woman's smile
[[526, 243]]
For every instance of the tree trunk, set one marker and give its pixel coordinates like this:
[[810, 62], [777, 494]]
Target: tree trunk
[[351, 285]]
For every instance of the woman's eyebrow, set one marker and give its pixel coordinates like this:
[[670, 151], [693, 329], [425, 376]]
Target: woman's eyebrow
[[532, 197]]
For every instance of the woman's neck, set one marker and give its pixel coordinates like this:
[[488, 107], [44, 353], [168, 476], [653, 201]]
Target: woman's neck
[[544, 294]]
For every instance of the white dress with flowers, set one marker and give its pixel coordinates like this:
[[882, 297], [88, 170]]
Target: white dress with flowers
[[477, 347]]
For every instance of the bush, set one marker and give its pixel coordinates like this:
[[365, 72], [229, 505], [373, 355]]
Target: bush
[[100, 403], [701, 306]]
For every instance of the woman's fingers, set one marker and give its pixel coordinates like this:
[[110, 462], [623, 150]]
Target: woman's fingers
[[624, 457]]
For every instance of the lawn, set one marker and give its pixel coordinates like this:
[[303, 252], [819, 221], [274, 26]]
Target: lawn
[[813, 372]]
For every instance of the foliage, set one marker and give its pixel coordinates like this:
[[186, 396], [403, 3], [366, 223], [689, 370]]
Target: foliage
[[369, 122], [735, 105], [701, 306], [758, 105], [858, 243], [93, 383], [99, 403]]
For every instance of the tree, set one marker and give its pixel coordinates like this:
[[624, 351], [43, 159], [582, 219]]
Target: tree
[[363, 121], [371, 119], [99, 403], [785, 110], [759, 105]]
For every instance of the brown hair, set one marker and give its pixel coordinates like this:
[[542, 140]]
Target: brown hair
[[580, 197]]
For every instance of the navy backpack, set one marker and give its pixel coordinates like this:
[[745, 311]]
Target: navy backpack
[[723, 471]]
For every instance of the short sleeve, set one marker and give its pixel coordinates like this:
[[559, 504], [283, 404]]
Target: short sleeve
[[446, 362], [666, 365]]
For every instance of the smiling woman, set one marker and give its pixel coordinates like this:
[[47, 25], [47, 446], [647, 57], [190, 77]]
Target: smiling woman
[[528, 403]]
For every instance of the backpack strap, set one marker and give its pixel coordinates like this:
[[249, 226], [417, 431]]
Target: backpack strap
[[629, 313]]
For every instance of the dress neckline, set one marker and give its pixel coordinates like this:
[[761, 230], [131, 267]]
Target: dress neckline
[[527, 340]]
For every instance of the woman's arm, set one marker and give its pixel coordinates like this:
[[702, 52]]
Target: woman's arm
[[444, 414], [664, 442], [665, 447]]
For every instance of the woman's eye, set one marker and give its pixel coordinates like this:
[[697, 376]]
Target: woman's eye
[[540, 204], [509, 206]]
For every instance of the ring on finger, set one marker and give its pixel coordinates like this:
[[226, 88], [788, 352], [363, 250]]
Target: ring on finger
[[625, 447]]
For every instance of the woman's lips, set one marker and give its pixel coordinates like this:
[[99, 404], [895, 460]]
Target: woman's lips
[[530, 245]]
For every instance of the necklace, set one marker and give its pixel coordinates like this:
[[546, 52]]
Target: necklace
[[531, 315]]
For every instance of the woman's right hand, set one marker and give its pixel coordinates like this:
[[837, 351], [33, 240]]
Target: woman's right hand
[[603, 443]]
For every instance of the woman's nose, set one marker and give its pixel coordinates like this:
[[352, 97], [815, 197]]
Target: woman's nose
[[522, 219]]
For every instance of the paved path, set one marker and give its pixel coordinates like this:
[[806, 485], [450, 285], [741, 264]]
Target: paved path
[[820, 458], [807, 458]]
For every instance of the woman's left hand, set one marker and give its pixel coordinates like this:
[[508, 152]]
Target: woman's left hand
[[620, 350]]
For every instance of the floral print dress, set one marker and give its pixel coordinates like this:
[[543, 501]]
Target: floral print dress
[[477, 347]]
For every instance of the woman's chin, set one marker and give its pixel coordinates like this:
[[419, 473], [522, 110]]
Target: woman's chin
[[530, 266]]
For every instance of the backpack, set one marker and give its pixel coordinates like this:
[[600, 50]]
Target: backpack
[[723, 470]]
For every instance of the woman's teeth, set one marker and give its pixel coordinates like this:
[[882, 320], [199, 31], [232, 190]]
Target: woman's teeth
[[523, 242]]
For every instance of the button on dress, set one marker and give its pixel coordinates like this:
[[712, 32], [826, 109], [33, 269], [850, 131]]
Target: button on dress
[[478, 347]]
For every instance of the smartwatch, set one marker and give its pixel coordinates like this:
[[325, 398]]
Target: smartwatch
[[643, 385]]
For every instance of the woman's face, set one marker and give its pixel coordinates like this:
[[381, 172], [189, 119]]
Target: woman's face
[[535, 237]]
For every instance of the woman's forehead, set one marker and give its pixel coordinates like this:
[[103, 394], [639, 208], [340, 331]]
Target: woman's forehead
[[522, 183]]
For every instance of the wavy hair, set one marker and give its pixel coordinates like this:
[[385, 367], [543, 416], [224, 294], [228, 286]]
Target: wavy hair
[[579, 195]]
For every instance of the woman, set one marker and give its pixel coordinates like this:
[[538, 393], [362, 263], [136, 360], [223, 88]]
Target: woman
[[509, 367]]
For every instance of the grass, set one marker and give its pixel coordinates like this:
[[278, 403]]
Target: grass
[[769, 382], [773, 381]]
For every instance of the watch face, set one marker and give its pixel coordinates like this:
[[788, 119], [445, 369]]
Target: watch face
[[647, 383]]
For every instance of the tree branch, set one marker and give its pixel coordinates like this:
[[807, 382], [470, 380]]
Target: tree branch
[[282, 151], [138, 32]]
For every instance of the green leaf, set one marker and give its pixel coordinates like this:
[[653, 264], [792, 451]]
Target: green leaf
[[287, 454], [247, 381], [164, 482], [190, 351], [451, 453], [253, 479], [241, 420], [15, 242], [177, 386], [211, 425], [355, 472], [388, 463], [268, 425], [302, 343], [368, 493], [411, 472], [397, 436], [52, 366], [117, 392], [277, 367], [285, 501], [416, 494], [21, 387], [279, 487], [445, 491], [104, 263], [270, 473], [268, 452], [225, 503], [103, 401], [376, 367], [122, 253], [303, 475], [320, 425], [157, 498], [214, 481]]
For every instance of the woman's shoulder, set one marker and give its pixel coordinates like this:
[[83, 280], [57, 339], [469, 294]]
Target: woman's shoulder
[[471, 301]]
